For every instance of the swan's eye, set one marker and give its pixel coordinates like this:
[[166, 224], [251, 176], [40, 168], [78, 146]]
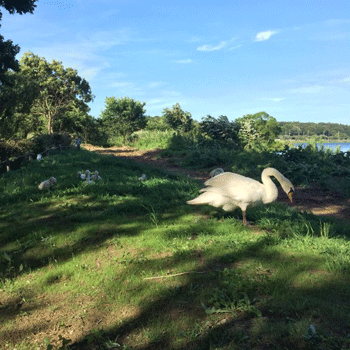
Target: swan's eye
[[291, 190]]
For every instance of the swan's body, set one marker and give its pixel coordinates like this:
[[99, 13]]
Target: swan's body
[[84, 175], [229, 191], [143, 177], [47, 183], [88, 179]]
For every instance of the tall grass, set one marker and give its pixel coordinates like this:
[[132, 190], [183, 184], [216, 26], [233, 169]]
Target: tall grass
[[146, 139]]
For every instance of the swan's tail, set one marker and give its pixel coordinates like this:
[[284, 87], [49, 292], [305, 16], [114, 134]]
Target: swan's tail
[[210, 197]]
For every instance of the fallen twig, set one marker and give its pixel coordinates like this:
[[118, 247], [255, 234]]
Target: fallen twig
[[176, 274]]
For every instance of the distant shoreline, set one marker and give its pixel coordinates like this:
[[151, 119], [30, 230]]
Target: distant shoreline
[[288, 141]]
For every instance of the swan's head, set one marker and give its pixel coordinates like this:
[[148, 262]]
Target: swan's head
[[286, 185], [290, 195], [288, 188], [53, 180]]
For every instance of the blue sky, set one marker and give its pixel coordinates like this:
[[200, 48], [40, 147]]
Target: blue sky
[[290, 59]]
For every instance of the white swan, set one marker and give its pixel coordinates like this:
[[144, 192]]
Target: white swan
[[143, 177], [47, 183], [229, 191], [96, 176]]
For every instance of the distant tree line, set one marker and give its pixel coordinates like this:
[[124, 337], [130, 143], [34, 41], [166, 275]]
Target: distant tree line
[[307, 130]]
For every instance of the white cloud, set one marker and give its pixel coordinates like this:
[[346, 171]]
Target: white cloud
[[210, 48], [171, 93], [194, 40], [274, 99], [156, 105], [156, 84], [184, 61], [122, 85], [263, 36], [315, 89], [236, 47], [345, 80]]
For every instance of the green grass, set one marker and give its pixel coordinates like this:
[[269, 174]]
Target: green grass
[[146, 139], [136, 268]]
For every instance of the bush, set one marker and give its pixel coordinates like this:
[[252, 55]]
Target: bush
[[14, 153], [11, 149], [43, 142]]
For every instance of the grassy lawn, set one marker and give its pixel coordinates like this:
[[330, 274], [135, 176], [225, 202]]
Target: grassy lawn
[[124, 264]]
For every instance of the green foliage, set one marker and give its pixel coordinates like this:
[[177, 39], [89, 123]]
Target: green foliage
[[151, 139], [257, 131], [26, 149], [325, 131], [15, 113], [20, 7], [12, 149], [123, 116], [8, 51], [157, 124], [236, 293], [220, 130], [178, 119], [57, 90]]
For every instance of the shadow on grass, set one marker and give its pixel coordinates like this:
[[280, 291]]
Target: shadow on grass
[[262, 311]]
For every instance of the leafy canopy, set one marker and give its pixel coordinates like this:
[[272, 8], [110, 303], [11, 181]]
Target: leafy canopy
[[8, 50], [123, 116], [219, 129], [178, 119], [257, 131], [58, 90]]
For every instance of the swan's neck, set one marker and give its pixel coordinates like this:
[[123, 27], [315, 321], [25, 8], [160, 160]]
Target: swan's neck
[[271, 192]]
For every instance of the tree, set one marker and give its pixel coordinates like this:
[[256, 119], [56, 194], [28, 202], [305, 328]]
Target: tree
[[220, 129], [57, 90], [123, 116], [257, 131], [178, 119], [157, 123], [8, 50], [16, 99]]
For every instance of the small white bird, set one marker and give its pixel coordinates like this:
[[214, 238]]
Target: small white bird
[[39, 157], [216, 171], [47, 183], [229, 191], [83, 175], [143, 177], [95, 176]]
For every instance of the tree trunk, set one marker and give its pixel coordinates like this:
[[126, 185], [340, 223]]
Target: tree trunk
[[49, 125]]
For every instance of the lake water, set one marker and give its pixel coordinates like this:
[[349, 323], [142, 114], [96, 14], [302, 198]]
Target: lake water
[[344, 147]]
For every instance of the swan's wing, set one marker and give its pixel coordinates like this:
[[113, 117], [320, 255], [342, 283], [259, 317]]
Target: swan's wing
[[240, 189], [215, 197]]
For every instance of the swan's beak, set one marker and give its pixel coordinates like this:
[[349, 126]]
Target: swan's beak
[[290, 196]]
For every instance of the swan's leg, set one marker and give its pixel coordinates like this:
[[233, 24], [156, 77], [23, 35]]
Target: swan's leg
[[245, 222]]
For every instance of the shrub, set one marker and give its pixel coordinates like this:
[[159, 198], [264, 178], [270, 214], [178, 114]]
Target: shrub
[[42, 142]]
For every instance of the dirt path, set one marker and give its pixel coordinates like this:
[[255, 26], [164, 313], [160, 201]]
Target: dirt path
[[316, 201]]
